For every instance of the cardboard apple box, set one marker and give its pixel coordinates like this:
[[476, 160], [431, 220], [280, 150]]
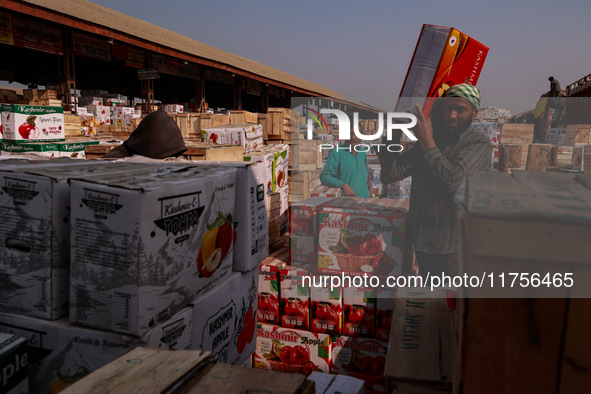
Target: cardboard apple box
[[60, 353], [75, 149], [251, 221], [326, 307], [224, 319], [277, 158], [36, 245], [269, 297], [294, 298], [14, 359], [360, 358], [48, 149], [293, 351], [30, 123], [384, 313], [145, 245], [304, 229], [359, 311], [357, 239]]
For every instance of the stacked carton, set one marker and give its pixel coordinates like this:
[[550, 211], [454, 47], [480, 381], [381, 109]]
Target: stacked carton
[[139, 279]]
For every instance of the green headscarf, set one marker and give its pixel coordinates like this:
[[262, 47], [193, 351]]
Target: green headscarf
[[468, 92]]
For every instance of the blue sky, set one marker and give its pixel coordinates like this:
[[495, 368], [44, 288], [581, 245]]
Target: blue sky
[[363, 49]]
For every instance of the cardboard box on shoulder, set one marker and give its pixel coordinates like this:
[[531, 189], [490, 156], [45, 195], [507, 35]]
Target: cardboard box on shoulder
[[443, 57]]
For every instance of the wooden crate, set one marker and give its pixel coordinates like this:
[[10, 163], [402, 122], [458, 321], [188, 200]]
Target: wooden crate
[[203, 151], [538, 157], [561, 156], [534, 223], [129, 372], [98, 151], [305, 155], [243, 117], [72, 125], [263, 120], [516, 133], [280, 122], [512, 156], [185, 124], [578, 134]]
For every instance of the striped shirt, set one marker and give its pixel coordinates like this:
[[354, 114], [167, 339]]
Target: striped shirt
[[436, 176]]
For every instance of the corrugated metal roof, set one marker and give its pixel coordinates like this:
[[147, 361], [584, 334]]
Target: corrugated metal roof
[[94, 13]]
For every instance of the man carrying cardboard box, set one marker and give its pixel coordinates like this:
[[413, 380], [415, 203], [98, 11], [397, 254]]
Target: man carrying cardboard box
[[447, 149]]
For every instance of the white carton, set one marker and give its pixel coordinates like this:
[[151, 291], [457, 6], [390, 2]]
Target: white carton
[[249, 136], [145, 246], [224, 320], [14, 359], [32, 123], [60, 353], [250, 220], [277, 159], [35, 233]]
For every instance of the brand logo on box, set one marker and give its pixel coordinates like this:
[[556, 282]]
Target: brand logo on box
[[20, 190], [172, 332], [345, 129], [179, 214], [101, 203]]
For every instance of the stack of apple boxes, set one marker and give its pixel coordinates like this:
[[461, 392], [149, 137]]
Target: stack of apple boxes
[[99, 257], [310, 319]]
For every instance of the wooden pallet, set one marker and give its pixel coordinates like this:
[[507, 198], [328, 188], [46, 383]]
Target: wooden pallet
[[203, 151]]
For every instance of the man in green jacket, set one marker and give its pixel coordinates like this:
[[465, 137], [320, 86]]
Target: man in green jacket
[[346, 169]]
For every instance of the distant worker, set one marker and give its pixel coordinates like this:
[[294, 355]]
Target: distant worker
[[157, 137], [347, 169], [554, 87]]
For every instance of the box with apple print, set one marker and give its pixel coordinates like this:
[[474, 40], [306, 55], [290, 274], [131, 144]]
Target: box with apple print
[[360, 358], [290, 350], [304, 229], [29, 123], [269, 289], [224, 319], [144, 245], [277, 158], [359, 311], [294, 296], [360, 238], [326, 307]]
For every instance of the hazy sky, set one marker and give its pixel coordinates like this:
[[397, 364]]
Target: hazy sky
[[363, 49]]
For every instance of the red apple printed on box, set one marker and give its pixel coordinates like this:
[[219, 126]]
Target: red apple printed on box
[[359, 243], [359, 305], [292, 351], [217, 242], [360, 358], [326, 310], [268, 311], [295, 311], [247, 320]]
